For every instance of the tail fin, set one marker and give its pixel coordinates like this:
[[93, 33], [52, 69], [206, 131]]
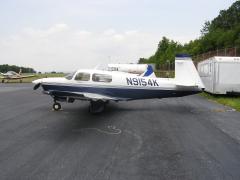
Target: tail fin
[[186, 73], [20, 71]]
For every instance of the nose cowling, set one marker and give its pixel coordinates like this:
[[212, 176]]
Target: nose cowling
[[37, 81], [37, 86]]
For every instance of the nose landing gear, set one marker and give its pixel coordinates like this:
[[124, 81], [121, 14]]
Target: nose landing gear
[[56, 106]]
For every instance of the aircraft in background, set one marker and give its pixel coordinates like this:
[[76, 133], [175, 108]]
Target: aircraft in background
[[99, 86], [11, 75]]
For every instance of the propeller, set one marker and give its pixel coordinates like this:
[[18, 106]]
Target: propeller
[[36, 86]]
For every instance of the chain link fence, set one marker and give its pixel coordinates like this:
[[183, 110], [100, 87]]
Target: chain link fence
[[168, 69], [234, 52]]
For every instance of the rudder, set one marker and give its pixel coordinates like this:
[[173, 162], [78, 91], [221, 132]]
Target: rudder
[[186, 73]]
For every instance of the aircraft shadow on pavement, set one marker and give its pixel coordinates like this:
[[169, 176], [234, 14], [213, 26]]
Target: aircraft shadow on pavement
[[75, 121]]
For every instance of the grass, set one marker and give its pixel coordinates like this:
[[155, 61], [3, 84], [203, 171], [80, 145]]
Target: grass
[[232, 101], [38, 76]]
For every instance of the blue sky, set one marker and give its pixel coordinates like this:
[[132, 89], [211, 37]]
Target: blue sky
[[40, 33]]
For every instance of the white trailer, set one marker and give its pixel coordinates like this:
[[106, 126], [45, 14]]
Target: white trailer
[[220, 75]]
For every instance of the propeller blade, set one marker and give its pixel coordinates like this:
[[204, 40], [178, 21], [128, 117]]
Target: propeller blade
[[36, 86]]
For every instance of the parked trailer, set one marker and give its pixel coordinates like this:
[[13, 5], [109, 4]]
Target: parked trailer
[[220, 75]]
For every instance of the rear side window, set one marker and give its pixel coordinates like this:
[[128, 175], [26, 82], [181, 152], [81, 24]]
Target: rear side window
[[102, 78], [82, 77]]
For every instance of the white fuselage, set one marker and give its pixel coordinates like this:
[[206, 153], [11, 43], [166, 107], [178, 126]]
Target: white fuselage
[[119, 86], [101, 86]]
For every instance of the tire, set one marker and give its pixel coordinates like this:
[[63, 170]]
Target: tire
[[96, 107], [56, 106]]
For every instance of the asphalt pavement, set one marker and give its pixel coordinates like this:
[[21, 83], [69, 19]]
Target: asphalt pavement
[[176, 138]]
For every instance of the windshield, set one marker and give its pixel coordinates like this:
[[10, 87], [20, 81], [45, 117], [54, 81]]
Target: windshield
[[70, 76]]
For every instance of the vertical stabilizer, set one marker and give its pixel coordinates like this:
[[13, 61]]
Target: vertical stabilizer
[[186, 73], [20, 71]]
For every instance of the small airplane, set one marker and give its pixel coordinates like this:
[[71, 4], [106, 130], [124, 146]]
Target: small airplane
[[101, 86], [11, 75]]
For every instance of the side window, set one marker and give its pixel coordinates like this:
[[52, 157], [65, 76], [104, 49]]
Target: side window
[[82, 77], [70, 76], [102, 78]]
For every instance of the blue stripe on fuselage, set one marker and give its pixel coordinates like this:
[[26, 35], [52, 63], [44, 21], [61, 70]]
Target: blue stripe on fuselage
[[118, 93], [149, 71]]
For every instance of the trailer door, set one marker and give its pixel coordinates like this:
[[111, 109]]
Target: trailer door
[[229, 77]]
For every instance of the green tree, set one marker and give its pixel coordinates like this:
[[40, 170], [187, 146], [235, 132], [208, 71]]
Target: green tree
[[222, 32]]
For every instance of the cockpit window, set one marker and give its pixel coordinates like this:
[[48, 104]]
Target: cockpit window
[[70, 76], [102, 78], [82, 77]]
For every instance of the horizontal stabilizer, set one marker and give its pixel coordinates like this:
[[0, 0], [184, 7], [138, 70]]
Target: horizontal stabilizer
[[28, 76], [81, 95], [187, 86]]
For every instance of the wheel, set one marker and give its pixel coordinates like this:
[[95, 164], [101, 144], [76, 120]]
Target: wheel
[[96, 107], [56, 106]]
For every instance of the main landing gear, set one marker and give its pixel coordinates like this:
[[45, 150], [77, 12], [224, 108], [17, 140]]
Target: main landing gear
[[56, 106], [97, 106]]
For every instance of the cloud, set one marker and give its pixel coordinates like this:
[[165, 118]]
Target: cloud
[[62, 48], [109, 32]]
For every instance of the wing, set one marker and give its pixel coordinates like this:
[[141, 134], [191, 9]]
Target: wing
[[13, 78], [83, 95], [94, 96], [3, 76], [9, 78], [28, 76]]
